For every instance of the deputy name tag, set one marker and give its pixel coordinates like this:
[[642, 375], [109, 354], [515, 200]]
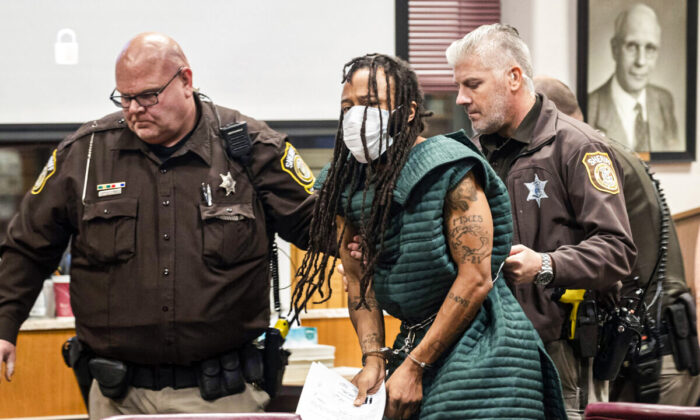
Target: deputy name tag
[[601, 172], [106, 193]]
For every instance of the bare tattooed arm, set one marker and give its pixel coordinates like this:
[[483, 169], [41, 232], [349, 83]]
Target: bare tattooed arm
[[368, 323], [469, 231]]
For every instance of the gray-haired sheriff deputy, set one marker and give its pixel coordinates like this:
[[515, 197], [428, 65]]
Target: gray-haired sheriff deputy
[[169, 241]]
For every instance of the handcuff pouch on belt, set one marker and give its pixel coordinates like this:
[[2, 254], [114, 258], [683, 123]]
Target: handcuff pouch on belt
[[220, 376], [680, 321], [228, 374]]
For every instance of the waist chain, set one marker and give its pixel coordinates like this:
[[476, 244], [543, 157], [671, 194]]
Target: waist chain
[[411, 334]]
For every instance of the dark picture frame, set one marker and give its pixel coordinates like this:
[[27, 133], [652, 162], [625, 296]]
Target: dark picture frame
[[673, 76]]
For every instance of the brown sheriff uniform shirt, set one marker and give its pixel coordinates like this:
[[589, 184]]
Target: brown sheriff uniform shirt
[[567, 201], [157, 274]]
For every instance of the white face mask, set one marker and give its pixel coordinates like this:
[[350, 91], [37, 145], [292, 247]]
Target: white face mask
[[374, 130]]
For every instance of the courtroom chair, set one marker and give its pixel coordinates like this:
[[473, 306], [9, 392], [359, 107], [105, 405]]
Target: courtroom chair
[[636, 411], [695, 283], [210, 416]]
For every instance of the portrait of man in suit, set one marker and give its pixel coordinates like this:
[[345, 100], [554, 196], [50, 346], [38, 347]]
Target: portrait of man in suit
[[628, 107]]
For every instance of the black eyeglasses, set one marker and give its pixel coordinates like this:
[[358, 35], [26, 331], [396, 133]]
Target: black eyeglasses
[[145, 99]]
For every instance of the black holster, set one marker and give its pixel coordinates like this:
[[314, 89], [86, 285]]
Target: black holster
[[620, 334], [683, 336], [112, 376], [275, 361], [585, 341], [76, 356], [643, 368]]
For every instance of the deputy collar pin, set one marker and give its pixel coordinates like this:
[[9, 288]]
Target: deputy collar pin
[[228, 183]]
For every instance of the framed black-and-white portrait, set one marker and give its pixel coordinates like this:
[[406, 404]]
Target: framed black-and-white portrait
[[637, 63]]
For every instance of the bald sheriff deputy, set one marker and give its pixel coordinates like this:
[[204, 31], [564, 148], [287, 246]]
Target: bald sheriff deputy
[[169, 238]]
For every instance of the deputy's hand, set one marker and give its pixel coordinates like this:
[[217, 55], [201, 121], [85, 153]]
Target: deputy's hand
[[8, 355], [522, 265], [354, 247], [404, 391], [369, 379], [341, 271]]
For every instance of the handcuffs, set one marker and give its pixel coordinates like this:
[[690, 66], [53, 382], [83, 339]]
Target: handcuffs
[[386, 352]]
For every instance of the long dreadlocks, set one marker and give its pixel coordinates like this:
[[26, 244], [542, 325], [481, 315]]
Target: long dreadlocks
[[346, 173]]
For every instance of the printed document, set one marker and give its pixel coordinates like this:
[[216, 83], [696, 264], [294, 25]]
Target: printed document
[[327, 395]]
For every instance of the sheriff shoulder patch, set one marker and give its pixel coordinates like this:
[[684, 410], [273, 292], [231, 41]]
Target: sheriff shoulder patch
[[49, 169], [295, 166], [601, 172]]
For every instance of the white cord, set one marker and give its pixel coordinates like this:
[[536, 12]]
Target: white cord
[[87, 166]]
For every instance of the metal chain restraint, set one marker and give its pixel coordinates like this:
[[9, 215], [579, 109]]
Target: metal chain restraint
[[411, 335]]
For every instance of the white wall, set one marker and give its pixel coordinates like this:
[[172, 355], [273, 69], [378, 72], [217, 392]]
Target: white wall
[[271, 59], [549, 28]]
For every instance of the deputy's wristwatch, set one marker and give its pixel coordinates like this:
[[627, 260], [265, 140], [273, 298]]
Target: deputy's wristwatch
[[546, 274]]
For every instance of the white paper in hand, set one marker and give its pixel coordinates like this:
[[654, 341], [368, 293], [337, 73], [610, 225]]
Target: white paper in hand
[[327, 395]]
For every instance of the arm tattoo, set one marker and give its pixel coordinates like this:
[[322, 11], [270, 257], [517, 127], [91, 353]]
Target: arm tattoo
[[459, 197], [371, 342], [464, 323], [459, 235], [459, 299], [438, 347], [371, 302]]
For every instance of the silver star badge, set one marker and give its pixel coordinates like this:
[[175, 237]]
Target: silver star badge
[[228, 183], [536, 189]]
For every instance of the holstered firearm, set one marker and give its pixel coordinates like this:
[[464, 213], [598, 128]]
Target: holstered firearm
[[643, 366], [76, 356], [621, 333], [582, 325]]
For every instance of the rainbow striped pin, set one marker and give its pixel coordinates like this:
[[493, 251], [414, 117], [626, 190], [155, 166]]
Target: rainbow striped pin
[[112, 186]]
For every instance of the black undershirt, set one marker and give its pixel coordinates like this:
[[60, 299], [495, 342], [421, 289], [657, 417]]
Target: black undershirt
[[163, 153], [501, 152]]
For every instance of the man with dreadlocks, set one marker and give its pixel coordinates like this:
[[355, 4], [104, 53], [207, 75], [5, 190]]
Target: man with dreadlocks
[[435, 224]]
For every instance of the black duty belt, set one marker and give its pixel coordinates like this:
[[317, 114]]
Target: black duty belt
[[158, 377]]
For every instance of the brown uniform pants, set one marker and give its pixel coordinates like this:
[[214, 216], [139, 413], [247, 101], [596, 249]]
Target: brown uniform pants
[[677, 388], [569, 368], [169, 400]]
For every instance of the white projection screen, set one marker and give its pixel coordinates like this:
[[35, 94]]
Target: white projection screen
[[270, 59]]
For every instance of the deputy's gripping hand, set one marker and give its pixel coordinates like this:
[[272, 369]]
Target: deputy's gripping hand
[[8, 355], [522, 265], [354, 247], [356, 253]]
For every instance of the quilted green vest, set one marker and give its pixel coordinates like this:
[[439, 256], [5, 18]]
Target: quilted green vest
[[498, 368]]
